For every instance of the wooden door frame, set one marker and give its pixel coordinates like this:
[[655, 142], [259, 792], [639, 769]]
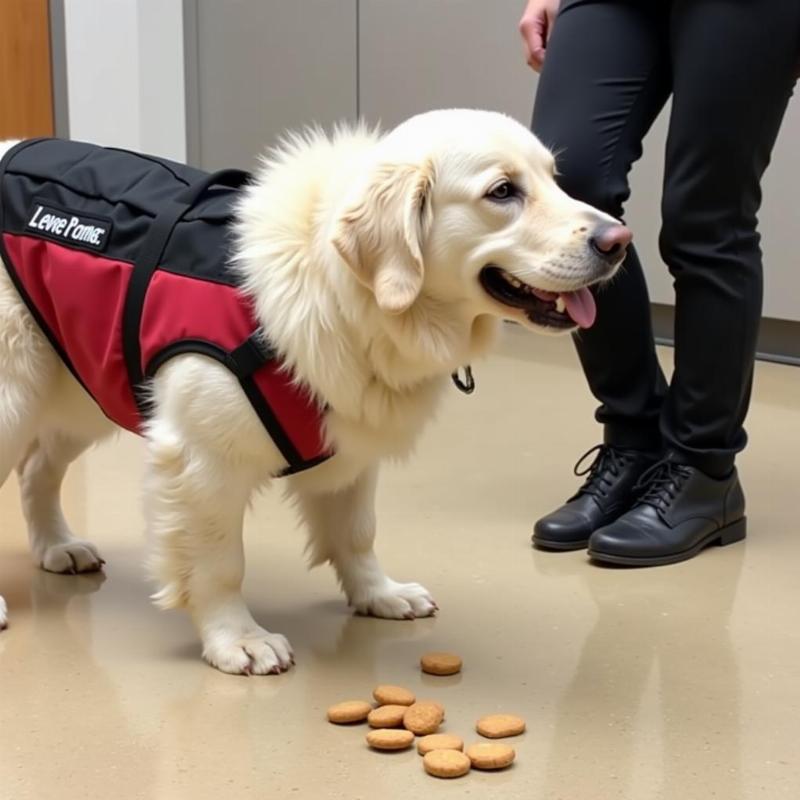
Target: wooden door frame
[[58, 68]]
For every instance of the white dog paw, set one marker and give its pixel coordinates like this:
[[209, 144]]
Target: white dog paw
[[72, 557], [3, 614], [393, 600], [256, 652]]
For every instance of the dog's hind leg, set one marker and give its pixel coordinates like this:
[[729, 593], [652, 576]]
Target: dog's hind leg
[[27, 368], [342, 531], [41, 473]]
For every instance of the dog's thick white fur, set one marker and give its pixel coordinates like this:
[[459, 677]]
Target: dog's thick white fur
[[362, 253]]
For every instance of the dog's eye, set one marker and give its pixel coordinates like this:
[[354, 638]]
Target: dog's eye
[[503, 191]]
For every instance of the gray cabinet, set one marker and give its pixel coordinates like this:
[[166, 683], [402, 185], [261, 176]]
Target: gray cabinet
[[256, 68], [779, 220], [415, 55]]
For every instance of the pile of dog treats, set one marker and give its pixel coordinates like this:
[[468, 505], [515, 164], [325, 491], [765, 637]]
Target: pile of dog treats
[[397, 718]]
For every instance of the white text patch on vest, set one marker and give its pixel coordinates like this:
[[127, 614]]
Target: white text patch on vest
[[63, 225]]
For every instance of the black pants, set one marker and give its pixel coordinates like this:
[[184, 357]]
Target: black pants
[[729, 66]]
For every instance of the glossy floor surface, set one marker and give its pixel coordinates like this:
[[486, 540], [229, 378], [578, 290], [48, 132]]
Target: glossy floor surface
[[679, 682]]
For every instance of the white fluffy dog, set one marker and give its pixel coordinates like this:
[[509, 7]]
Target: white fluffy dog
[[378, 265]]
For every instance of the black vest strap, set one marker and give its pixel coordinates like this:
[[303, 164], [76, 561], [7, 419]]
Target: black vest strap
[[250, 356], [147, 263]]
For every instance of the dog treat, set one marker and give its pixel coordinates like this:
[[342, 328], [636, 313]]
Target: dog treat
[[440, 663], [432, 703], [386, 717], [490, 755], [390, 739], [446, 763], [393, 696], [439, 741], [423, 718], [349, 711], [498, 726]]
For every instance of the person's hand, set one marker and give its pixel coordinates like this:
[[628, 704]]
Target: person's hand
[[536, 26]]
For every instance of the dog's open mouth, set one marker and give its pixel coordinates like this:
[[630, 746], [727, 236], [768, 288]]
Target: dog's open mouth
[[550, 309]]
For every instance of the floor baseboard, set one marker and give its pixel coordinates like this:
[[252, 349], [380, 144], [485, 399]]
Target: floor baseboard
[[778, 339]]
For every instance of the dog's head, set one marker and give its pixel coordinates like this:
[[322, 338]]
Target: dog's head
[[462, 207]]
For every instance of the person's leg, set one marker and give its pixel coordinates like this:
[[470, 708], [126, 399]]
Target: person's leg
[[733, 69], [605, 79], [733, 66]]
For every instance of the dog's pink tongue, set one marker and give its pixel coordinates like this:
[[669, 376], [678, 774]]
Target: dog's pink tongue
[[581, 307]]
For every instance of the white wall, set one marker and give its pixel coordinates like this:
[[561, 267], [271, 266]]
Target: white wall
[[125, 75]]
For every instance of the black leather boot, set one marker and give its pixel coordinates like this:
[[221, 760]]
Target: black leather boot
[[680, 511], [605, 495]]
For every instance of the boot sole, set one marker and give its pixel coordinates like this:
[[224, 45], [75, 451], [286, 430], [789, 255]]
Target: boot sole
[[729, 534], [545, 544]]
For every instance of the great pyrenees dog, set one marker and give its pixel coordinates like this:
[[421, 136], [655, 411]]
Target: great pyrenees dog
[[377, 266]]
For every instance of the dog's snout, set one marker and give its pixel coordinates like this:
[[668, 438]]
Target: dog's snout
[[610, 241]]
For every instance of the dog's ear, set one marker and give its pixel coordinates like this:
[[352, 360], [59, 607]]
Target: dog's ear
[[380, 235]]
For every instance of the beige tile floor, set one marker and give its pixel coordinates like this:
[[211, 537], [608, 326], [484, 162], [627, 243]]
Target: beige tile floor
[[681, 682]]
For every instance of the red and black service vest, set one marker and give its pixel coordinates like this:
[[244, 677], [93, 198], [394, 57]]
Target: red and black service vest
[[124, 261]]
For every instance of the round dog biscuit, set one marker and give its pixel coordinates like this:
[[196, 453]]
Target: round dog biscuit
[[439, 741], [440, 663], [390, 739], [349, 711], [393, 696], [446, 763], [435, 703], [386, 717], [423, 718], [498, 726], [490, 755]]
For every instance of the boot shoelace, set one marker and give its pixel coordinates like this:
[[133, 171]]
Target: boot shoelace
[[659, 485], [606, 465]]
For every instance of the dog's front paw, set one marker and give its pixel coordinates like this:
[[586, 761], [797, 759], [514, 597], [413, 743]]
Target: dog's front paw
[[392, 600], [73, 556], [3, 614], [256, 652]]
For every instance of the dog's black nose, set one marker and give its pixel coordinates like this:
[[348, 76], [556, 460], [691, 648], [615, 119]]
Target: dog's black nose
[[610, 241]]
